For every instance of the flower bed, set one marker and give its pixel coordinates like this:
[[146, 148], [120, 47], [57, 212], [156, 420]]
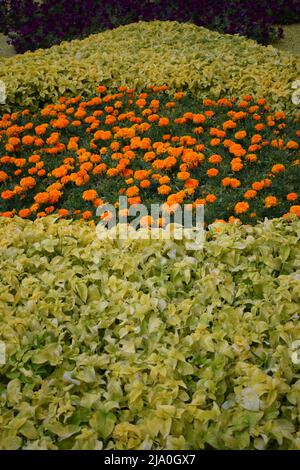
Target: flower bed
[[132, 345], [235, 157], [183, 56]]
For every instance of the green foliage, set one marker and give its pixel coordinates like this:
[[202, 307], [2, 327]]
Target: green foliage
[[136, 344], [183, 56]]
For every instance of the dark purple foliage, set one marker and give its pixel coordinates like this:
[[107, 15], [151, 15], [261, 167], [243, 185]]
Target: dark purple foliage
[[31, 25]]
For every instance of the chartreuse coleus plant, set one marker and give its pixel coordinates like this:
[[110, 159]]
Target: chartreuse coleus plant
[[181, 55], [140, 344]]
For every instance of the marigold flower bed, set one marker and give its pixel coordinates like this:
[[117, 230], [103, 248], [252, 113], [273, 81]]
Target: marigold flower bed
[[233, 156]]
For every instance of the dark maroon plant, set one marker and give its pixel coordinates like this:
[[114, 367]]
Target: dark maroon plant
[[31, 25]]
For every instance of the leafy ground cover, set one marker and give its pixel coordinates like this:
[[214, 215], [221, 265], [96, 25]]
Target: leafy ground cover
[[141, 344], [184, 56]]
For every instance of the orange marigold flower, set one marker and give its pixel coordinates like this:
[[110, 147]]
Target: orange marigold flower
[[254, 148], [28, 182], [292, 145], [198, 130], [20, 162], [95, 158], [179, 95], [215, 159], [41, 198], [191, 183], [53, 139], [267, 183], [215, 142], [237, 150], [253, 109], [141, 174], [292, 197], [134, 200], [14, 141], [7, 194], [295, 210], [102, 135], [102, 89], [38, 142], [49, 209], [229, 125], [270, 201], [115, 146], [255, 139], [183, 175], [153, 117], [98, 202], [28, 140], [111, 172], [250, 194], [251, 157], [240, 135], [99, 169], [217, 132], [163, 122], [6, 159], [171, 104], [241, 207], [63, 212], [87, 215], [145, 184], [89, 195], [199, 118], [208, 102], [211, 198], [257, 185], [164, 180], [200, 202], [132, 191], [236, 164], [3, 176], [7, 214], [226, 181], [234, 182], [212, 172], [54, 196], [278, 168], [9, 148], [164, 189], [34, 158]]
